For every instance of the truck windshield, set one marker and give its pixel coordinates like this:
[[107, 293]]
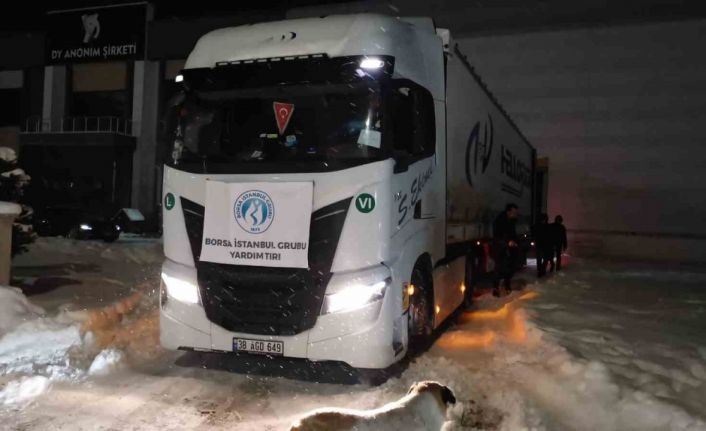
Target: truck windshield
[[278, 128]]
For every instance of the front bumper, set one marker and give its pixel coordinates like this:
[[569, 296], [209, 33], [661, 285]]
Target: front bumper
[[364, 338]]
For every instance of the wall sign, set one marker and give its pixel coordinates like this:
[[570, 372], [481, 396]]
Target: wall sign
[[96, 34]]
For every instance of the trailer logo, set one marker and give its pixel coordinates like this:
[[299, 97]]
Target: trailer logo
[[91, 27], [513, 168], [479, 149], [254, 211]]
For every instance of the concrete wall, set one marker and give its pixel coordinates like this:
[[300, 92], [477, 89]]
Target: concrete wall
[[9, 137], [21, 50], [620, 111], [145, 115]]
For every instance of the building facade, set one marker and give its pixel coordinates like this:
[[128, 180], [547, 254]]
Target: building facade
[[82, 102]]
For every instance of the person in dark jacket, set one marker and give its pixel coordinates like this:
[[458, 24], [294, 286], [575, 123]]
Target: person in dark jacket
[[543, 245], [505, 250], [559, 242]]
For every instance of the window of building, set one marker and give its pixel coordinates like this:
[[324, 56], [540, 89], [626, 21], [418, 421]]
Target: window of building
[[100, 89], [10, 107]]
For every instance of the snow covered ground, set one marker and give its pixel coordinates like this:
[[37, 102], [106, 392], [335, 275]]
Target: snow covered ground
[[601, 346]]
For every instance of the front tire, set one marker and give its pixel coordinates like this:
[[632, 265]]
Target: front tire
[[421, 313]]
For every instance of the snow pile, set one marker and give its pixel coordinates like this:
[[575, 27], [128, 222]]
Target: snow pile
[[43, 349], [40, 346], [10, 208], [8, 154], [31, 344], [19, 173], [107, 362], [24, 390], [15, 309]]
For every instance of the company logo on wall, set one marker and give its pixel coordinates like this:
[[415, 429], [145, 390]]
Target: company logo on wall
[[479, 149], [254, 211], [91, 27], [108, 33]]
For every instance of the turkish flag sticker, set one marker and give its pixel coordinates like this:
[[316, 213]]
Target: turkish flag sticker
[[283, 112]]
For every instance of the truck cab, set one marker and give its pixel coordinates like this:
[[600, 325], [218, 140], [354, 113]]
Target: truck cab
[[305, 194]]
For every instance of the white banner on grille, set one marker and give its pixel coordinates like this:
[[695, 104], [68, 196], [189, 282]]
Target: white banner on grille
[[257, 224]]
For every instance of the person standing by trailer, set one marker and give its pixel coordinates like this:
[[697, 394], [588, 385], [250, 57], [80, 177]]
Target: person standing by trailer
[[505, 250], [558, 238], [543, 245]]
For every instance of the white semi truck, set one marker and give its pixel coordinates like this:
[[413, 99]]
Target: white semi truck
[[331, 188]]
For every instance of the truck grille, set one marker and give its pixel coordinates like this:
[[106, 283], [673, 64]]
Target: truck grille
[[261, 300]]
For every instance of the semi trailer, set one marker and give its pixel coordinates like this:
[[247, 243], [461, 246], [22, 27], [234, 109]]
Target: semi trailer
[[330, 189]]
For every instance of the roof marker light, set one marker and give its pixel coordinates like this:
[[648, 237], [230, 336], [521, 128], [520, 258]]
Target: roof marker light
[[371, 63]]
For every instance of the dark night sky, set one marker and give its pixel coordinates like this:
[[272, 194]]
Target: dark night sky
[[506, 14]]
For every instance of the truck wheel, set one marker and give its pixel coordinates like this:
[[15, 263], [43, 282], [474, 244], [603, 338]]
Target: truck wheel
[[421, 317]]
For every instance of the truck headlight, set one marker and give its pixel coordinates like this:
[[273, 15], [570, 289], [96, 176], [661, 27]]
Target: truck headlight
[[354, 297], [181, 290]]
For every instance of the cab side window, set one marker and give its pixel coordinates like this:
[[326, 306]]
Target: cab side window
[[402, 115], [424, 121], [413, 125]]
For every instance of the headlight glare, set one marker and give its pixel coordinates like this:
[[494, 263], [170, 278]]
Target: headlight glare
[[354, 297], [372, 63], [181, 290]]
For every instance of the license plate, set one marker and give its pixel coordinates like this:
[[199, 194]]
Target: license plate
[[258, 346]]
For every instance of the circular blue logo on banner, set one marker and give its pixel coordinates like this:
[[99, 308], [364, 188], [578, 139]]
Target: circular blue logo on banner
[[254, 211]]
